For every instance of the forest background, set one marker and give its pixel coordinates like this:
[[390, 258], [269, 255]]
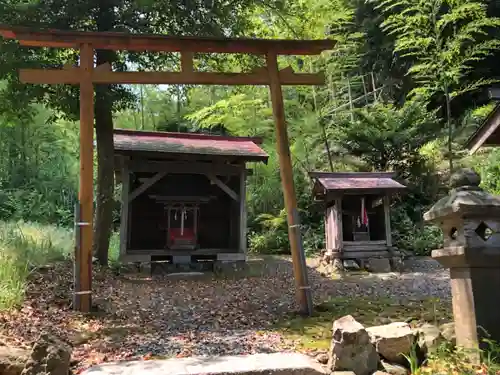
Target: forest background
[[405, 89]]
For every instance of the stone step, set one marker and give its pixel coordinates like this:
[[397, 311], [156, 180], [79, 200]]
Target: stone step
[[262, 364]]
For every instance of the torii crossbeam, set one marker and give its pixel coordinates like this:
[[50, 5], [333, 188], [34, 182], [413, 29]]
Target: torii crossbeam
[[86, 75]]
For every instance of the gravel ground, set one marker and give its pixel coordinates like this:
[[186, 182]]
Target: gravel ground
[[200, 316]]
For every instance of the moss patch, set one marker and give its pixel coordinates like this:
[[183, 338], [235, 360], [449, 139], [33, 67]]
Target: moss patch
[[315, 332]]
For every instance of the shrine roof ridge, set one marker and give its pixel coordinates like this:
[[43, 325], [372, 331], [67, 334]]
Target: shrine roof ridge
[[355, 181], [203, 136], [315, 174], [189, 143], [115, 40]]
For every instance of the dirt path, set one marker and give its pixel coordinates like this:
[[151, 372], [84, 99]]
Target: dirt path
[[204, 316]]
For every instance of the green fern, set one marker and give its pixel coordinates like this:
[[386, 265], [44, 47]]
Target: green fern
[[444, 38]]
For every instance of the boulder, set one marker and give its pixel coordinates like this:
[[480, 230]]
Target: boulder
[[429, 338], [379, 265], [351, 264], [49, 356], [448, 332], [351, 349], [12, 360], [381, 373], [392, 341], [322, 358], [337, 265], [393, 369], [397, 264]]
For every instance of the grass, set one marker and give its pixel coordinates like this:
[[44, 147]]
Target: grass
[[451, 361], [23, 247], [315, 332]]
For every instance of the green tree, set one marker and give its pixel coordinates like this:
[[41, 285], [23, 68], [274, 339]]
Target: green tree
[[165, 17], [444, 39]]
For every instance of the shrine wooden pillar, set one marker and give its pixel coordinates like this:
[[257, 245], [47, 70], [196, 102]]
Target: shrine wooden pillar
[[303, 288], [83, 300]]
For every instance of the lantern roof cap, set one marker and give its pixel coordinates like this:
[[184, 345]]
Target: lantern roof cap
[[465, 197]]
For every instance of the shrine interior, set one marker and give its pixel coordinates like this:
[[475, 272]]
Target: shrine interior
[[184, 212]]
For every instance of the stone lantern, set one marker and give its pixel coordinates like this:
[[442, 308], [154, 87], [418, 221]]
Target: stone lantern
[[470, 220]]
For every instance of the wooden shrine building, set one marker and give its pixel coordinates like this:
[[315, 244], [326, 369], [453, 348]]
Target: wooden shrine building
[[183, 197], [488, 134], [357, 212]]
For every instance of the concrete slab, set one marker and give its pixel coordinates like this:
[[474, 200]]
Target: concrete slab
[[256, 364]]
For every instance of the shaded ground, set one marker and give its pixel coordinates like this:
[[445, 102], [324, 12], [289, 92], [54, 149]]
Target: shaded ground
[[139, 316]]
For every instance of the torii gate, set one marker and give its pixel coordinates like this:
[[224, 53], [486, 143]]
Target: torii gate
[[86, 75]]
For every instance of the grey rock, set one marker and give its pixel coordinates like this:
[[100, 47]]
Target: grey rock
[[337, 265], [394, 369], [448, 332], [342, 373], [322, 358], [49, 356], [392, 341], [465, 177], [351, 264], [429, 338], [351, 349], [379, 265], [381, 373], [12, 360], [397, 264]]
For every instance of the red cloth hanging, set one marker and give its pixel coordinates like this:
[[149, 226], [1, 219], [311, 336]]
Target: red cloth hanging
[[364, 213]]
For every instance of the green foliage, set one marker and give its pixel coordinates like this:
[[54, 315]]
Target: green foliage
[[414, 237], [489, 169], [38, 167], [23, 247], [388, 138], [444, 38], [272, 235]]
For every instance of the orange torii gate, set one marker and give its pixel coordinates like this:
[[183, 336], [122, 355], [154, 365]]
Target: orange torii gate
[[86, 75]]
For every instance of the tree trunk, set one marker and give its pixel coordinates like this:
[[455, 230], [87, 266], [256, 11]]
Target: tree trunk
[[105, 165], [450, 130], [105, 146]]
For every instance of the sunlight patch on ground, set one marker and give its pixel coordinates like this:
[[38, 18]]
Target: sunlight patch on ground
[[315, 332]]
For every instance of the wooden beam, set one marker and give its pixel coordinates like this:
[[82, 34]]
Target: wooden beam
[[494, 93], [387, 219], [180, 167], [243, 212], [146, 185], [333, 227], [304, 297], [485, 131], [187, 62], [101, 76], [124, 211], [147, 42], [86, 176], [223, 186]]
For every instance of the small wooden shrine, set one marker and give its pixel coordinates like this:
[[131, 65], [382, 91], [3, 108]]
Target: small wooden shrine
[[183, 195], [357, 212], [488, 134]]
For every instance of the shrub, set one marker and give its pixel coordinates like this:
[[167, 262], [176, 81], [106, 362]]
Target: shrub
[[23, 247], [408, 236]]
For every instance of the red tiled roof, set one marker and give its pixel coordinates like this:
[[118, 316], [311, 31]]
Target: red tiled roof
[[189, 143], [356, 181]]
